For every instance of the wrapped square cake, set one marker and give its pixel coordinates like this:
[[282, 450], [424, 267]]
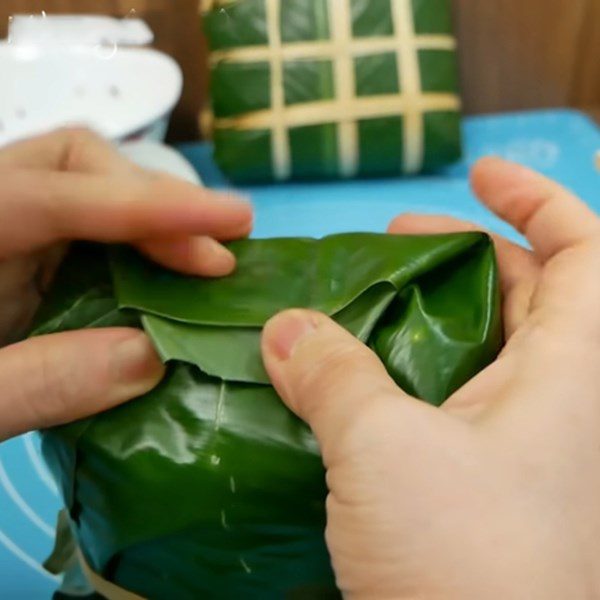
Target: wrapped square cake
[[313, 89]]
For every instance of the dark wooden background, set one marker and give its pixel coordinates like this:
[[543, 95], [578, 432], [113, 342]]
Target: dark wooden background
[[514, 54]]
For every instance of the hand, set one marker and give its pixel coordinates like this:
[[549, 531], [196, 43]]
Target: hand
[[496, 494], [72, 185]]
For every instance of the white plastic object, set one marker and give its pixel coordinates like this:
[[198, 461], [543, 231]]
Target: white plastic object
[[158, 157], [78, 30], [119, 92]]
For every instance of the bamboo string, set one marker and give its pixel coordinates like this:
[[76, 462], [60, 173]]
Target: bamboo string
[[409, 75], [280, 141], [325, 49], [323, 111], [340, 20]]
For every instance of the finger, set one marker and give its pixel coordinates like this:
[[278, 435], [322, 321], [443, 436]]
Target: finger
[[48, 264], [68, 149], [49, 381], [38, 208], [194, 256], [519, 268], [516, 263], [331, 381], [549, 216], [19, 298]]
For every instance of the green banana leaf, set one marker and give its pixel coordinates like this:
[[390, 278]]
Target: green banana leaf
[[208, 486]]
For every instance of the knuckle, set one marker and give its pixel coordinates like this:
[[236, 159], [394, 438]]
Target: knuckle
[[152, 186], [146, 188], [519, 209], [370, 421], [43, 394], [371, 427], [49, 204], [61, 388], [333, 366], [74, 135], [76, 141]]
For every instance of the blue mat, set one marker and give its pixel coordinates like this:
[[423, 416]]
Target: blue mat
[[561, 144]]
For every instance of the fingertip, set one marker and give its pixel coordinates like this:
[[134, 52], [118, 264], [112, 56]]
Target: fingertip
[[490, 162], [240, 226], [241, 222], [398, 224], [236, 199], [483, 169], [136, 366], [241, 204], [492, 173], [209, 258], [198, 256], [419, 224]]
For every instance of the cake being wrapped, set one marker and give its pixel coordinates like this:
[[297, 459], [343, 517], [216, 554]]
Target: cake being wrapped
[[208, 486]]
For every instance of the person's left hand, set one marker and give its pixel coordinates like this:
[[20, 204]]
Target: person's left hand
[[73, 185]]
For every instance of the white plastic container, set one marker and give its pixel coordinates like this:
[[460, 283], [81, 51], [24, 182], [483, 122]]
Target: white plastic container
[[122, 93]]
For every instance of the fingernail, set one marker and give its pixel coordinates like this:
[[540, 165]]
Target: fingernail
[[284, 332], [235, 199], [137, 367], [241, 220], [221, 258]]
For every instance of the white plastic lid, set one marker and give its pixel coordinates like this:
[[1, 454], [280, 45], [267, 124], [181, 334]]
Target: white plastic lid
[[118, 92], [78, 30]]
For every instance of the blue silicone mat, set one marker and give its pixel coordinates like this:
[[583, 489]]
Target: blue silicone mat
[[561, 144]]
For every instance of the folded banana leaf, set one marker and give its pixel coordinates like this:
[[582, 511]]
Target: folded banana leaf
[[208, 486]]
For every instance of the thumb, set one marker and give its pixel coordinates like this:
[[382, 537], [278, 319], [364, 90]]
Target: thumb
[[333, 382], [55, 379]]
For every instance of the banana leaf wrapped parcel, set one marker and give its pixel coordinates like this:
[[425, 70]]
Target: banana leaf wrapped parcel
[[328, 89], [208, 486]]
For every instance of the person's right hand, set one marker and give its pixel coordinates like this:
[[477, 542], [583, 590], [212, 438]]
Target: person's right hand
[[496, 495]]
